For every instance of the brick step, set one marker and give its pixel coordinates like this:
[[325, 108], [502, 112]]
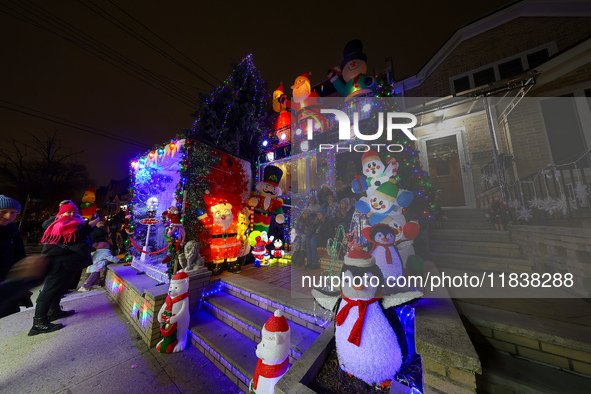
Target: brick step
[[249, 319], [299, 310], [469, 225], [564, 345], [473, 262], [497, 249], [504, 373], [462, 212], [229, 350], [469, 235]]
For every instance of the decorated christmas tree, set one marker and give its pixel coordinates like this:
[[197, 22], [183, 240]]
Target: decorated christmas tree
[[235, 114]]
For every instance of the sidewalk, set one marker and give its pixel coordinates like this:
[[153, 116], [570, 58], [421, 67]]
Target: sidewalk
[[97, 352]]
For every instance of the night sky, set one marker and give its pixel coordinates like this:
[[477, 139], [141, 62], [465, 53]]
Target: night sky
[[47, 65]]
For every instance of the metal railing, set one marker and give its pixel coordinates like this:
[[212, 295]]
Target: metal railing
[[557, 192]]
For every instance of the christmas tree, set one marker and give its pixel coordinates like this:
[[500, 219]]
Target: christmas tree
[[235, 114]]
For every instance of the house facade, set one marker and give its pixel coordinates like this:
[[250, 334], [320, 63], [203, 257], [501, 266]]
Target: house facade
[[507, 97]]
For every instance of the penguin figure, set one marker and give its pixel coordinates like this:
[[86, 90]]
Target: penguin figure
[[370, 340], [384, 239]]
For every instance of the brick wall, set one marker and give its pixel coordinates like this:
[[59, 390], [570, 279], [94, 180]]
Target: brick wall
[[138, 309], [503, 41], [564, 356], [141, 307], [558, 249]]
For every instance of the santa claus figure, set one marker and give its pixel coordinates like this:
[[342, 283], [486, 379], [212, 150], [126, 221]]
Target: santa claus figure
[[304, 103], [224, 244], [265, 200]]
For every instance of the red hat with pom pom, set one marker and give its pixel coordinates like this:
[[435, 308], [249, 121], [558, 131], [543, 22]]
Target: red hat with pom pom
[[359, 258]]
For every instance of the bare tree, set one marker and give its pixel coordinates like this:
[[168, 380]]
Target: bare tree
[[41, 168]]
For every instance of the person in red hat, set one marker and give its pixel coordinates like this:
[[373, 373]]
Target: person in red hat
[[68, 246]]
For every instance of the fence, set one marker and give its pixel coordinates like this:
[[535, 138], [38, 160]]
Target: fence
[[557, 192]]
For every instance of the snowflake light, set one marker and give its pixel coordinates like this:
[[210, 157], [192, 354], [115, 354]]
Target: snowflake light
[[581, 192], [524, 214]]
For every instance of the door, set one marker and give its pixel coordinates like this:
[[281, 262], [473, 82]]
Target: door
[[447, 168]]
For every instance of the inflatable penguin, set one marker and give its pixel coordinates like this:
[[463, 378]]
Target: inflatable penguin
[[383, 238], [370, 340]]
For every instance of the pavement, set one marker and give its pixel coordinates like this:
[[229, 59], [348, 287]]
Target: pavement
[[97, 351]]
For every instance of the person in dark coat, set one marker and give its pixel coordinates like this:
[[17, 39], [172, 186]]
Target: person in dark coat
[[68, 247], [12, 248], [323, 230], [344, 215], [304, 227]]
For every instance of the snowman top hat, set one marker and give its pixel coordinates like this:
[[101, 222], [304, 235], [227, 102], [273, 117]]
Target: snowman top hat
[[353, 51]]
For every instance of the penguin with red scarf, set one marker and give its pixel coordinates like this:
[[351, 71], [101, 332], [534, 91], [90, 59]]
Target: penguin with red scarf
[[265, 201], [370, 339]]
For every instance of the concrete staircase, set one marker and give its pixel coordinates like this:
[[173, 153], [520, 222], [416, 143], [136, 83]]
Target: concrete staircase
[[524, 353], [525, 345], [228, 325], [468, 243]]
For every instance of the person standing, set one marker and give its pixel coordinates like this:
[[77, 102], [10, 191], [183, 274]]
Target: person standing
[[12, 248], [68, 247]]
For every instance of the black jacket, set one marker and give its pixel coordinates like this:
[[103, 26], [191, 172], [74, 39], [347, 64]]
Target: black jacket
[[12, 248], [75, 255]]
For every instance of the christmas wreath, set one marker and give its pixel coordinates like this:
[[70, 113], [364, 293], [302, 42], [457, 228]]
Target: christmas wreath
[[498, 213]]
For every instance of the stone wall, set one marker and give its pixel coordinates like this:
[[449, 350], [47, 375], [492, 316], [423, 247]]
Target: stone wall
[[140, 298], [558, 249]]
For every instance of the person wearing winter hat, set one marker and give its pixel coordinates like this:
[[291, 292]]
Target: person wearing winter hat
[[53, 217], [68, 248], [12, 248]]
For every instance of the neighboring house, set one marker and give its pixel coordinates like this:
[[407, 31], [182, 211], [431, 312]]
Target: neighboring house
[[476, 113]]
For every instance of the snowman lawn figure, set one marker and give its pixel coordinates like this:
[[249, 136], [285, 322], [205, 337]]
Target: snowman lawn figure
[[387, 200], [273, 354], [174, 315], [350, 80], [375, 171], [370, 340]]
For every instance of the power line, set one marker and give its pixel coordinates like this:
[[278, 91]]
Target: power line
[[89, 44], [69, 123], [122, 26], [166, 42]]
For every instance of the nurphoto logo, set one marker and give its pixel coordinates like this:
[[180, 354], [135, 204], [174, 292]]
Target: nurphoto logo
[[393, 121]]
